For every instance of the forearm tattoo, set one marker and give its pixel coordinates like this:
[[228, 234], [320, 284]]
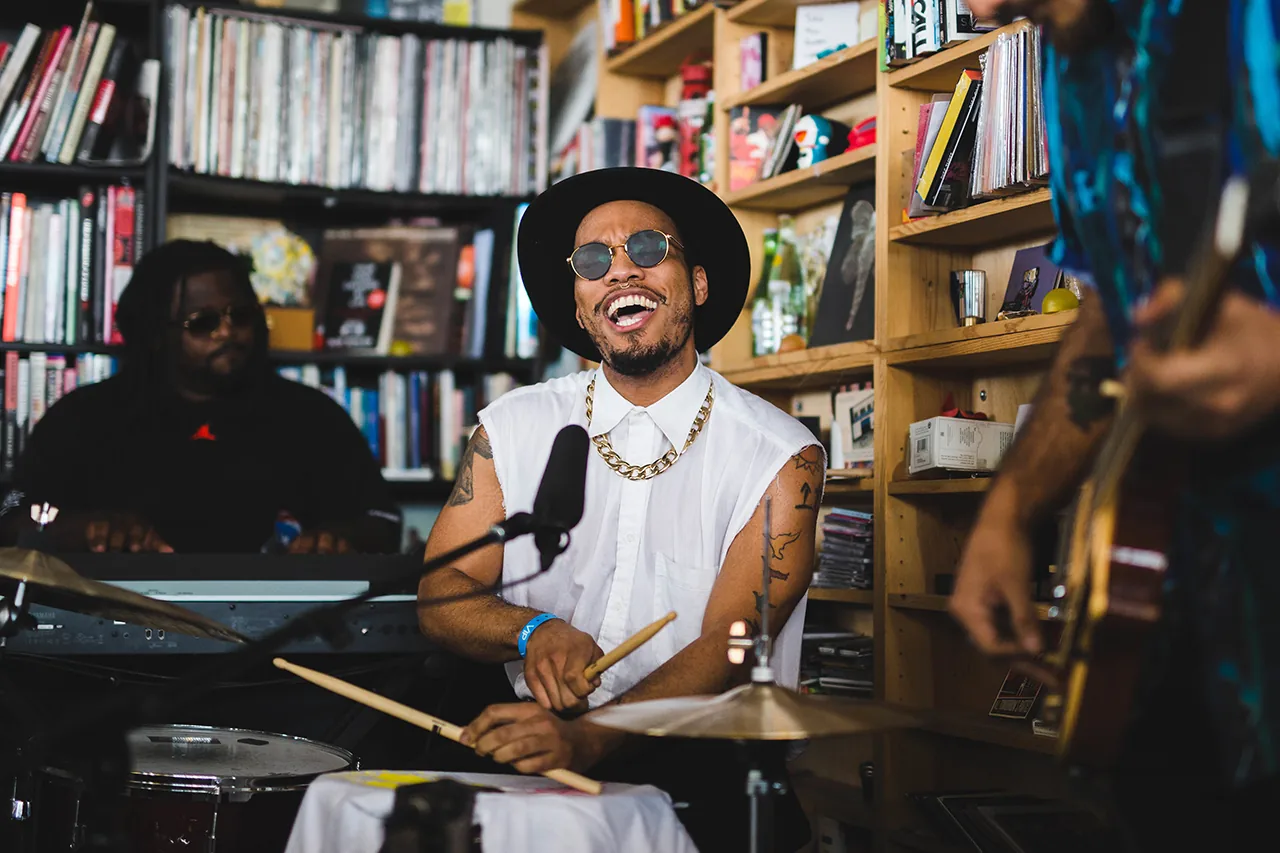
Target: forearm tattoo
[[464, 488]]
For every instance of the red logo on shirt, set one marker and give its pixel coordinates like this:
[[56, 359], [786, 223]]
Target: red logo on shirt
[[204, 433]]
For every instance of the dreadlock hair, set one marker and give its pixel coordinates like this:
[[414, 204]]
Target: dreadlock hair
[[145, 315]]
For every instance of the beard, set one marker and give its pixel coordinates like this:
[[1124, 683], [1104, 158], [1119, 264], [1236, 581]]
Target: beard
[[645, 359]]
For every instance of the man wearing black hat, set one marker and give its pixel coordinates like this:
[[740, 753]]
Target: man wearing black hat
[[639, 270]]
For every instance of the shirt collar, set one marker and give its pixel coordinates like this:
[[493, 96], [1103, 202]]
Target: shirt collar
[[673, 414]]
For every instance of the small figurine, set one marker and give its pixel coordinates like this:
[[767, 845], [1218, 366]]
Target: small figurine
[[819, 138]]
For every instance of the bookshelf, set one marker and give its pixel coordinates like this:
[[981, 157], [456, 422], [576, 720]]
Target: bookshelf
[[918, 355], [308, 204]]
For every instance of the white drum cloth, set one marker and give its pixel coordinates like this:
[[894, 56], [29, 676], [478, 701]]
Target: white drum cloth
[[344, 813]]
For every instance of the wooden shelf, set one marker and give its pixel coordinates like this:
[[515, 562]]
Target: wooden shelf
[[938, 73], [966, 486], [841, 488], [768, 13], [830, 80], [976, 726], [660, 53], [938, 603], [807, 368], [834, 799], [1027, 340], [551, 8], [828, 180], [843, 596], [1000, 220]]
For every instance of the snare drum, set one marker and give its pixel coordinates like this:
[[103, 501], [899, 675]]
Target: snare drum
[[194, 788]]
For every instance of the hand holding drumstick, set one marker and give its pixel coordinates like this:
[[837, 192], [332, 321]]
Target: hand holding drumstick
[[417, 718], [563, 664]]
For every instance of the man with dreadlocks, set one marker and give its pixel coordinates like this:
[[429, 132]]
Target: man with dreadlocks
[[197, 445]]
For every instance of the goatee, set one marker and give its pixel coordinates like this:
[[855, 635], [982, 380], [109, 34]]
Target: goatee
[[645, 360]]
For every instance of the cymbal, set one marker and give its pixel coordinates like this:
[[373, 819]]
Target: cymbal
[[752, 712], [55, 584]]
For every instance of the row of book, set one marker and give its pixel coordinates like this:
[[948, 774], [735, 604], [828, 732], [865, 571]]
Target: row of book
[[914, 29], [65, 262], [274, 99], [987, 138], [846, 554], [628, 21], [71, 95], [838, 663], [414, 421], [35, 381]]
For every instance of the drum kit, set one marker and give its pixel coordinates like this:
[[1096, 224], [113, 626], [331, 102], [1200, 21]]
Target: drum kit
[[211, 789]]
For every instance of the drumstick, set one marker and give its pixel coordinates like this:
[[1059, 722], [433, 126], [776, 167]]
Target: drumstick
[[627, 646], [415, 717]]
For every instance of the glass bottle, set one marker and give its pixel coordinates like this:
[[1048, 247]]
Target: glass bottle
[[786, 285], [763, 336]]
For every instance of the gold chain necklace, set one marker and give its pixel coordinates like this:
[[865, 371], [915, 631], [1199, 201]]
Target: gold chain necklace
[[663, 462]]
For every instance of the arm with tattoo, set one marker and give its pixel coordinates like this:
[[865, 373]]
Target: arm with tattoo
[[703, 666], [482, 628]]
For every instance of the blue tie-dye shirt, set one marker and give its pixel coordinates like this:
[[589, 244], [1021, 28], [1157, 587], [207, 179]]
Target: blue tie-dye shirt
[[1108, 206]]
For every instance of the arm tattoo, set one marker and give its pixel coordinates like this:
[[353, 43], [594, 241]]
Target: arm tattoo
[[464, 488], [809, 459], [806, 493], [1085, 402], [779, 543]]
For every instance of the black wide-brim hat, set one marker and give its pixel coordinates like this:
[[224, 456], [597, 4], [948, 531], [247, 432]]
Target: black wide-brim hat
[[709, 231]]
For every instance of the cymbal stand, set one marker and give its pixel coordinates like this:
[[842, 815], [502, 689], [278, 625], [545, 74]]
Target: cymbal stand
[[760, 789]]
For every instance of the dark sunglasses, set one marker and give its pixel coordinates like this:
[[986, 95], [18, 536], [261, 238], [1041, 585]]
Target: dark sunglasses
[[648, 248], [205, 322]]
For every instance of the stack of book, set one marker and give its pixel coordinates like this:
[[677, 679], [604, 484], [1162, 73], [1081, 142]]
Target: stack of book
[[76, 95], [845, 558], [986, 138], [64, 263], [270, 98], [415, 420], [32, 383], [839, 663]]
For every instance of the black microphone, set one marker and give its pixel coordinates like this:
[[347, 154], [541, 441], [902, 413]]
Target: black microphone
[[558, 505]]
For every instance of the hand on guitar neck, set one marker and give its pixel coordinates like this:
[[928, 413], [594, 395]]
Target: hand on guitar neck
[[1221, 388]]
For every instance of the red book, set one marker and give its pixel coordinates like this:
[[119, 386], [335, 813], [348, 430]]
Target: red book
[[13, 270]]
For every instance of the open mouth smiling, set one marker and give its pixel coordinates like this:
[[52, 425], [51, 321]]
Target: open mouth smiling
[[630, 310]]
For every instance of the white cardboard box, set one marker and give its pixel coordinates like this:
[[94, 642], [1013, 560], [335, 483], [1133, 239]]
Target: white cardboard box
[[957, 444]]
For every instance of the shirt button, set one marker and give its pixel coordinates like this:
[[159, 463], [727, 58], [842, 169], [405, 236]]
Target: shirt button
[[631, 538]]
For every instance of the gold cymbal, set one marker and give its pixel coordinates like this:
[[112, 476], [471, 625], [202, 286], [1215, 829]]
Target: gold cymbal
[[55, 584], [752, 712]]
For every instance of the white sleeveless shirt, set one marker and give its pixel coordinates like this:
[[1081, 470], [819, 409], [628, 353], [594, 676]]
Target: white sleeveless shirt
[[643, 548]]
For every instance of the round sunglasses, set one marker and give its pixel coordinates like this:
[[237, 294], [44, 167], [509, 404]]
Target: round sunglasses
[[206, 321], [648, 248]]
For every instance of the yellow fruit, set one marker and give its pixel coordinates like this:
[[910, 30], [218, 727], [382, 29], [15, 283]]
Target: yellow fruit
[[1059, 299], [791, 343]]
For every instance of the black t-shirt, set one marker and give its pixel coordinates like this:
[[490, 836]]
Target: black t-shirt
[[210, 477]]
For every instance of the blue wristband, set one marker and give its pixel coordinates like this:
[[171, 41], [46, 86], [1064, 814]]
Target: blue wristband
[[522, 642]]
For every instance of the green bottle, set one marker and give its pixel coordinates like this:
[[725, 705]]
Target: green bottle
[[764, 336]]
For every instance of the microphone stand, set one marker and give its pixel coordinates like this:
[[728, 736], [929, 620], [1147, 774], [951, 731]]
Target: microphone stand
[[103, 726]]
